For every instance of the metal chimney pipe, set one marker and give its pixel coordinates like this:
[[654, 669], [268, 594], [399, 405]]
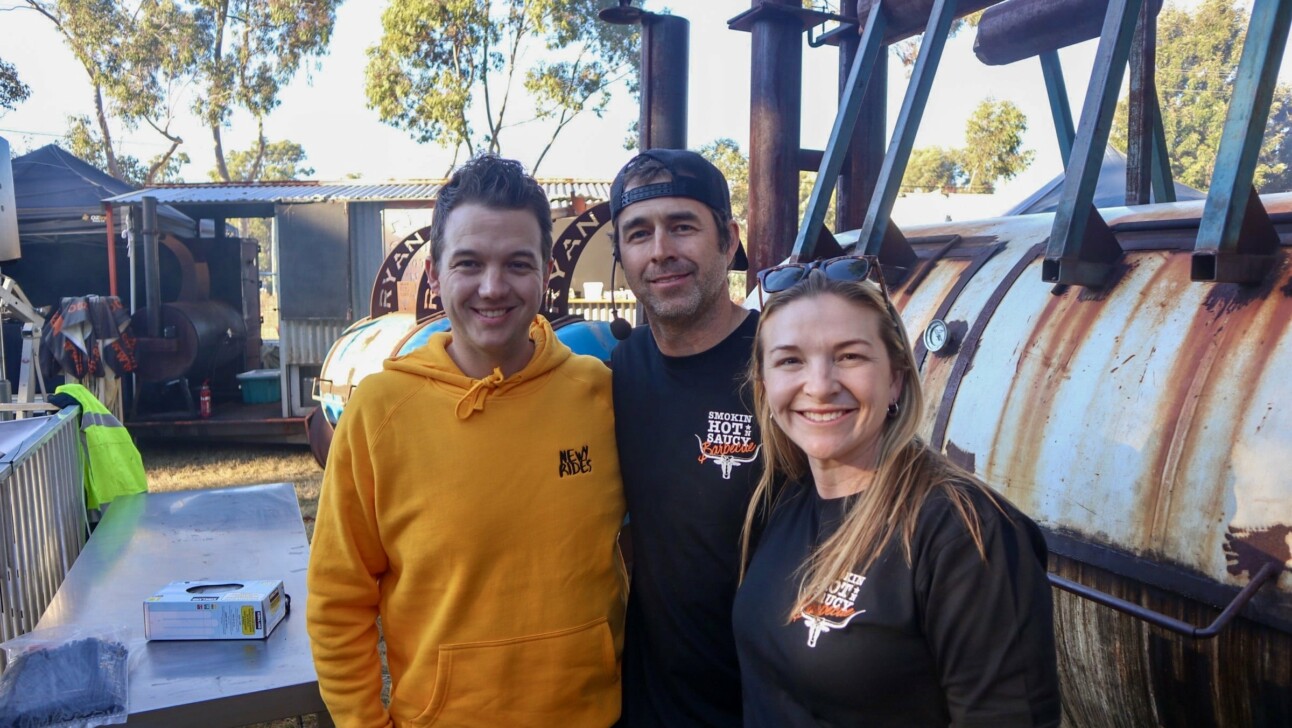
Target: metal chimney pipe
[[665, 55], [152, 267]]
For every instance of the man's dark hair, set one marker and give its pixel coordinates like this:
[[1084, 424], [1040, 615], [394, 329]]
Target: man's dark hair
[[496, 183], [644, 170]]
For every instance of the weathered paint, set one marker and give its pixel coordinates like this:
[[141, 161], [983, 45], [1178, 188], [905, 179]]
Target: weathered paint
[[1145, 428], [359, 352]]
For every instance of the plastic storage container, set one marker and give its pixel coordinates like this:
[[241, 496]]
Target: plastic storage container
[[260, 386]]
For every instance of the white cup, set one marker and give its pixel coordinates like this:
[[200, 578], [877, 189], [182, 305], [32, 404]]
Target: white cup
[[592, 290]]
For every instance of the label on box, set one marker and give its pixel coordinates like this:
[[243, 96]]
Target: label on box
[[214, 610]]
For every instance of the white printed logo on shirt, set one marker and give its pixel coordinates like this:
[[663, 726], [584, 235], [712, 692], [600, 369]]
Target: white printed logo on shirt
[[835, 609], [729, 442]]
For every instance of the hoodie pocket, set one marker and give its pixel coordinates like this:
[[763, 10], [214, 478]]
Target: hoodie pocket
[[568, 677]]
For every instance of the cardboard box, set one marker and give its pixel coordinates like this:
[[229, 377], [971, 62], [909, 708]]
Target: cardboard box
[[215, 610]]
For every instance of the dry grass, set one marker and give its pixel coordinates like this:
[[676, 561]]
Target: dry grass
[[172, 466]]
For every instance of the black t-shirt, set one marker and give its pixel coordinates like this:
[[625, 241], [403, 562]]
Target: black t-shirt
[[690, 454], [948, 641]]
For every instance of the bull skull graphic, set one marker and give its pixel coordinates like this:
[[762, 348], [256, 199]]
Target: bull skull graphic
[[817, 625], [727, 462]]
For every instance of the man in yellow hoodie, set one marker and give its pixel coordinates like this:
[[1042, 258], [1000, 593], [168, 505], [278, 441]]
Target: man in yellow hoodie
[[472, 499]]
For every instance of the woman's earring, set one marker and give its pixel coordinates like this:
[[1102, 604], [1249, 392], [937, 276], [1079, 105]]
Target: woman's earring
[[893, 409]]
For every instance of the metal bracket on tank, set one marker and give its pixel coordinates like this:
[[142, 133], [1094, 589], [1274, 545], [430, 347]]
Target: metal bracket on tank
[[1236, 240], [879, 236], [1060, 109], [1082, 249], [845, 123], [1268, 572]]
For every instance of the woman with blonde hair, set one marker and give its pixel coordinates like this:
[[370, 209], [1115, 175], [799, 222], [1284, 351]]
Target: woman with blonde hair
[[882, 585]]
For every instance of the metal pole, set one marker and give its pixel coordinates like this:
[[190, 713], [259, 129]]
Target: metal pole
[[775, 98], [112, 251], [1236, 241], [908, 123], [665, 49], [842, 132], [866, 150], [1081, 250], [152, 267], [1142, 107], [1060, 109]]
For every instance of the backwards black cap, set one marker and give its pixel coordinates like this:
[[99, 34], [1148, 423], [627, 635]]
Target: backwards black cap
[[693, 176]]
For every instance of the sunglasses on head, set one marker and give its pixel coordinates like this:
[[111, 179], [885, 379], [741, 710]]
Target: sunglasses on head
[[843, 268]]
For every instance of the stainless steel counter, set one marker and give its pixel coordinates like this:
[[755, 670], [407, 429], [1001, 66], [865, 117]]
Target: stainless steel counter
[[147, 541]]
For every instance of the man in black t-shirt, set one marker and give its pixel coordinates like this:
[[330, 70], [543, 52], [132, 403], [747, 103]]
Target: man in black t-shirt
[[688, 443]]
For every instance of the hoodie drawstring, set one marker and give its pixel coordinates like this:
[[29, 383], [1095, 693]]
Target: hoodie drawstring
[[474, 399]]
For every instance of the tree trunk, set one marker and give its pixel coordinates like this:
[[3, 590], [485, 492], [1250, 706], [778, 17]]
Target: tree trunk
[[114, 168], [217, 52], [256, 171], [220, 167], [160, 164]]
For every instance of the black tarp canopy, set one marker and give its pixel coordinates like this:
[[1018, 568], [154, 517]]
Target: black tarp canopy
[[59, 195], [62, 228]]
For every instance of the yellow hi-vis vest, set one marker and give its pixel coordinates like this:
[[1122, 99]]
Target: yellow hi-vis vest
[[111, 461]]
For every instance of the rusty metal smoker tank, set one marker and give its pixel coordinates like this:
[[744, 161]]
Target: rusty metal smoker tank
[[1147, 427]]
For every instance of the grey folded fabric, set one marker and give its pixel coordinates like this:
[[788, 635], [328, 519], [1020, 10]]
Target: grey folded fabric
[[77, 680]]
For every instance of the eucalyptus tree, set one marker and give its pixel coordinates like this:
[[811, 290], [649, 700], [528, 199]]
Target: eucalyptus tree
[[12, 90], [251, 50], [448, 71]]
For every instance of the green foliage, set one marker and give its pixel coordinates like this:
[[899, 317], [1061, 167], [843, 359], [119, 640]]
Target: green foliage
[[12, 90], [1197, 58], [250, 50], [444, 70], [993, 151], [933, 169], [82, 140], [136, 57], [993, 148], [908, 50], [142, 55], [734, 164], [278, 160], [727, 156], [806, 182]]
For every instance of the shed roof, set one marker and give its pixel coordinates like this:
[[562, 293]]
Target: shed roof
[[223, 195]]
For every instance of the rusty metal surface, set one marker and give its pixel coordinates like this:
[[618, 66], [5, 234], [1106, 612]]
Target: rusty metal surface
[[1117, 671], [1142, 111], [1145, 428], [775, 103], [1145, 417], [665, 49], [204, 335]]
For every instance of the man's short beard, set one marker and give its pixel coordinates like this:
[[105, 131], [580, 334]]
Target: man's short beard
[[678, 312]]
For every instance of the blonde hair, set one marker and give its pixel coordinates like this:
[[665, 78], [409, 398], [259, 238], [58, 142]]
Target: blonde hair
[[907, 470]]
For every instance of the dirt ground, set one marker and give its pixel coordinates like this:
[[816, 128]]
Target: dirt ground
[[171, 466]]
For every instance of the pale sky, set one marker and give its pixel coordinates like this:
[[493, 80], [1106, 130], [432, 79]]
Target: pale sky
[[325, 110]]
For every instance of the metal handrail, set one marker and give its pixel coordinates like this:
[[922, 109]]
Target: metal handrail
[[1266, 573]]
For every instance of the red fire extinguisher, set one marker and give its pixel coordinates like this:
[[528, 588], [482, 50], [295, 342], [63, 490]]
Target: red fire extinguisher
[[204, 399]]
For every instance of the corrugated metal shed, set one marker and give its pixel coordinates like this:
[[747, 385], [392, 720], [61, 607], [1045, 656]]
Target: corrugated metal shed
[[306, 191]]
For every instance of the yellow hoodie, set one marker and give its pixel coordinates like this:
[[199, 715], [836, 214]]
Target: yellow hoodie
[[478, 518]]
